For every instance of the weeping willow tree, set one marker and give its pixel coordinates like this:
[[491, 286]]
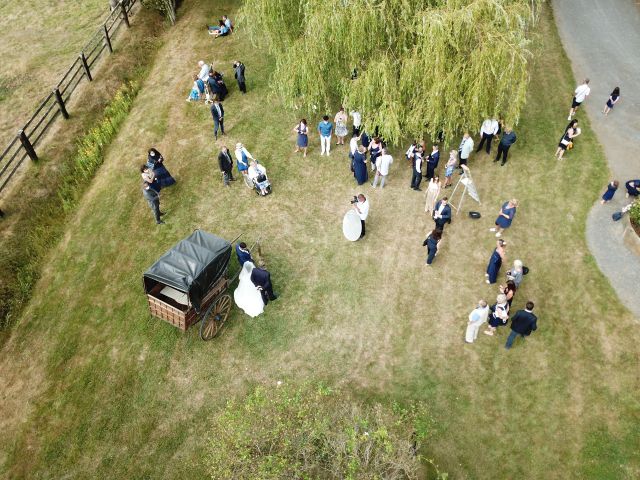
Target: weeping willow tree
[[423, 66]]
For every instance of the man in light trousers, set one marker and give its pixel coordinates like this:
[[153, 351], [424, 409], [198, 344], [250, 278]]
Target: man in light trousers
[[382, 168], [476, 318]]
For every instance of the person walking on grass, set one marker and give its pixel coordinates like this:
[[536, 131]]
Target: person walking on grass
[[153, 198], [499, 314], [432, 242], [341, 125], [495, 262], [477, 317], [613, 99], [488, 130], [465, 149], [325, 129], [567, 140], [508, 138], [382, 168], [302, 142], [238, 68], [449, 168], [217, 112], [505, 217], [225, 162], [611, 191], [522, 323], [579, 95]]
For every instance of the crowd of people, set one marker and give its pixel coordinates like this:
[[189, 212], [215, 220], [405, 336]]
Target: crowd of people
[[370, 161]]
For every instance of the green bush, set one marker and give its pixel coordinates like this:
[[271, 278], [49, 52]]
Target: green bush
[[314, 432], [90, 154], [634, 213]]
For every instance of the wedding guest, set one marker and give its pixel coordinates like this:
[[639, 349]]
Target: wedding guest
[[360, 165], [153, 198], [579, 95], [499, 315], [225, 162], [242, 158], [416, 168], [197, 91], [341, 125], [522, 323], [325, 129], [432, 162], [450, 167], [488, 130], [357, 122], [238, 68], [566, 141], [495, 262], [302, 142], [149, 177], [613, 99], [516, 274], [217, 113], [508, 138], [465, 149], [204, 71], [375, 149], [442, 213], [432, 242], [611, 191], [505, 217], [509, 290], [433, 191], [477, 317], [382, 168]]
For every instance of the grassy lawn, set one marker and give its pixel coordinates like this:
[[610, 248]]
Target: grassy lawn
[[40, 39], [94, 387]]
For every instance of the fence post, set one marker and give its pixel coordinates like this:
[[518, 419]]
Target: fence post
[[86, 66], [107, 39], [61, 105], [27, 145], [125, 15]]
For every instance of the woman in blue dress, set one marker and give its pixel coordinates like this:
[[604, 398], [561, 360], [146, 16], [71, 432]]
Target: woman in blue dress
[[155, 161], [302, 142], [360, 165], [505, 217], [495, 262], [611, 191], [498, 314], [375, 149], [613, 99]]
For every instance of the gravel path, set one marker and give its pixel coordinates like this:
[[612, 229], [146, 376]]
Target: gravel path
[[602, 38]]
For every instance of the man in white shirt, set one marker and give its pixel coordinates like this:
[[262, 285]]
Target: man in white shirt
[[476, 318], [357, 122], [465, 149], [362, 208], [382, 168], [580, 94], [488, 130], [204, 71]]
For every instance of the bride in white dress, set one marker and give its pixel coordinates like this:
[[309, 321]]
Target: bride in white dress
[[247, 296]]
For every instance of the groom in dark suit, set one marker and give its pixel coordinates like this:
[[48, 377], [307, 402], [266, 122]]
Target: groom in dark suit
[[442, 213], [262, 279]]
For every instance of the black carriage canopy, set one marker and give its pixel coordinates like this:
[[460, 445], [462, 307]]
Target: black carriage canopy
[[192, 266]]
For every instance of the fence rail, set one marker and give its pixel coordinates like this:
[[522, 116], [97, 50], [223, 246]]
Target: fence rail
[[22, 146]]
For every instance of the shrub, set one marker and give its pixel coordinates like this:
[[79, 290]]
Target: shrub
[[313, 432]]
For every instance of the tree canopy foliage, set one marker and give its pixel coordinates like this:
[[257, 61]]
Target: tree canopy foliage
[[423, 65], [314, 432]]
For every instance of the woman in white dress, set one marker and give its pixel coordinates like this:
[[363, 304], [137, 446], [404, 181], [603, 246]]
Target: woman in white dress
[[247, 296], [433, 190]]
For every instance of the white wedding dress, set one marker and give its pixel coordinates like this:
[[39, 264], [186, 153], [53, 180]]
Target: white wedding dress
[[247, 296]]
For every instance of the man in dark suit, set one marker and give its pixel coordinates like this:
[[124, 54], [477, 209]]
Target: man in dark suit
[[442, 213], [215, 87], [262, 280], [432, 162], [243, 253], [239, 74], [217, 112], [522, 323], [416, 168], [226, 165], [153, 198]]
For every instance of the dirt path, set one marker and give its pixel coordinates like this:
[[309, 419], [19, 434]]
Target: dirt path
[[601, 38]]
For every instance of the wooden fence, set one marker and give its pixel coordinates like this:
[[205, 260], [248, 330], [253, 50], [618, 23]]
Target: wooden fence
[[24, 144]]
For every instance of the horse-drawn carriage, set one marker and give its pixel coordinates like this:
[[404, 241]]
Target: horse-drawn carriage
[[189, 283]]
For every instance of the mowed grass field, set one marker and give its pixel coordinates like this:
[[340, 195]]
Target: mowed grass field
[[94, 387], [39, 40]]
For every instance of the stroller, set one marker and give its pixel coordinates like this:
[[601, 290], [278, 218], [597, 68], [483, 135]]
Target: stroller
[[259, 180]]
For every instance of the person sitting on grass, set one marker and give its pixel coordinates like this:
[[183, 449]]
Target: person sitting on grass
[[224, 28], [197, 91]]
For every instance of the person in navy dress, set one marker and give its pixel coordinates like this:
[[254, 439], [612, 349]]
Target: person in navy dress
[[302, 142], [360, 165], [495, 262], [505, 217], [498, 314], [611, 191], [155, 161], [612, 100]]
